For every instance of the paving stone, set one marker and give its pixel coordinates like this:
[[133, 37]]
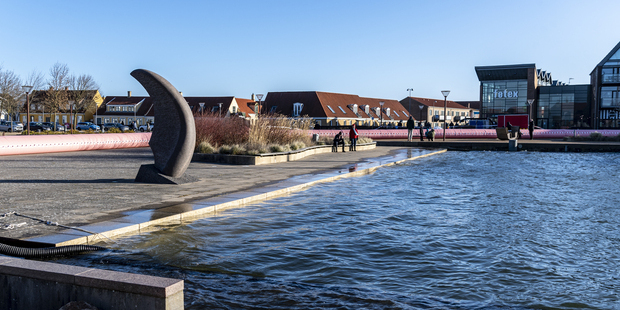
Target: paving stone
[[82, 188]]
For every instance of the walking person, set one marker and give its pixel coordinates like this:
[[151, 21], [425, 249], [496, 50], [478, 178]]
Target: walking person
[[530, 128], [410, 126], [353, 135]]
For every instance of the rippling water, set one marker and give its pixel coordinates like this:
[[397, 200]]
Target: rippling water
[[460, 230]]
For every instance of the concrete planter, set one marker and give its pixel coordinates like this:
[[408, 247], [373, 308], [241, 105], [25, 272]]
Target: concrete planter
[[272, 158]]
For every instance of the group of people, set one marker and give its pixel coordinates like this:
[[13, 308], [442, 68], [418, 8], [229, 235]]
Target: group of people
[[339, 140], [514, 130], [425, 131]]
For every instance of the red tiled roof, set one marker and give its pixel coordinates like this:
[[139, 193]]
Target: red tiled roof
[[324, 104], [246, 105]]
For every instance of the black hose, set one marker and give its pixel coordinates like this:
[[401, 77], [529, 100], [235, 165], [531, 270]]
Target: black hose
[[47, 252]]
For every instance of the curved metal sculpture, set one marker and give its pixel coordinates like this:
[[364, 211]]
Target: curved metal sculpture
[[174, 139]]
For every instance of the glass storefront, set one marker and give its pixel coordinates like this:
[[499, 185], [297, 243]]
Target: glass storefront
[[563, 107], [503, 97]]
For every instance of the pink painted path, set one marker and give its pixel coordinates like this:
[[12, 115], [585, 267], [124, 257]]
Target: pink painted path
[[22, 144]]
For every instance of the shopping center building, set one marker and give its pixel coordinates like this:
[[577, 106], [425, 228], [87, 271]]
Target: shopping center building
[[506, 89]]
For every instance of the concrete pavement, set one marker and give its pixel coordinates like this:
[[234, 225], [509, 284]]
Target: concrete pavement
[[80, 188]]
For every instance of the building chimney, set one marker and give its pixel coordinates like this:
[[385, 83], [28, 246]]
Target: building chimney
[[66, 88], [253, 97], [129, 94]]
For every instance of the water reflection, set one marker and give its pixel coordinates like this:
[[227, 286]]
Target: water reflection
[[474, 230]]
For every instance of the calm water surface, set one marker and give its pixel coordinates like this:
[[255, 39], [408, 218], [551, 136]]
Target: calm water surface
[[460, 230]]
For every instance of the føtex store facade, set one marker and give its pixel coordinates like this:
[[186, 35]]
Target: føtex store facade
[[505, 89]]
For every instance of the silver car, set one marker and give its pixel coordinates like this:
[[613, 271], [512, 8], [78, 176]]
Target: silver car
[[11, 126]]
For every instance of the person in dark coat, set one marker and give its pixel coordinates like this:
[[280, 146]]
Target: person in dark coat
[[530, 128], [410, 126], [338, 139], [421, 132]]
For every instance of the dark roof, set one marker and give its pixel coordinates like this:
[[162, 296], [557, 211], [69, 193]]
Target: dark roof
[[503, 72], [436, 102], [209, 103], [471, 104], [145, 108]]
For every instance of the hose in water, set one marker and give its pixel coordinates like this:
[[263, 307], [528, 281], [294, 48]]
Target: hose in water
[[47, 252]]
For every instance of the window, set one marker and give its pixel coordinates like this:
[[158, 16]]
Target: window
[[353, 108], [387, 111], [396, 113], [297, 107], [405, 113], [341, 109], [234, 109], [367, 109], [273, 109], [330, 108]]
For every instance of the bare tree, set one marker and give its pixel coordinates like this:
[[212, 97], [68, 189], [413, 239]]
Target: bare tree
[[83, 91], [10, 92], [36, 79], [56, 97]]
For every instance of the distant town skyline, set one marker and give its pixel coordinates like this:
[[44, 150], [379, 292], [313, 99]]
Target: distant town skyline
[[371, 49]]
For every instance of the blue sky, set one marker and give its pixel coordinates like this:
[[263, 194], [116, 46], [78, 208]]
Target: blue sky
[[370, 48]]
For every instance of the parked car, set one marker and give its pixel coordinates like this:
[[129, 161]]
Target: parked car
[[57, 127], [108, 126], [87, 126], [11, 126], [143, 128], [38, 126]]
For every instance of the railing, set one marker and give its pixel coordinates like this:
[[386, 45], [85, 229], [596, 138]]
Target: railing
[[611, 78], [610, 102], [377, 134]]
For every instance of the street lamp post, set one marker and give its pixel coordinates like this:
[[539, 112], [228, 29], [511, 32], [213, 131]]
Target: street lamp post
[[445, 94], [421, 108], [202, 108], [27, 90], [529, 109], [381, 103], [260, 97], [409, 90]]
